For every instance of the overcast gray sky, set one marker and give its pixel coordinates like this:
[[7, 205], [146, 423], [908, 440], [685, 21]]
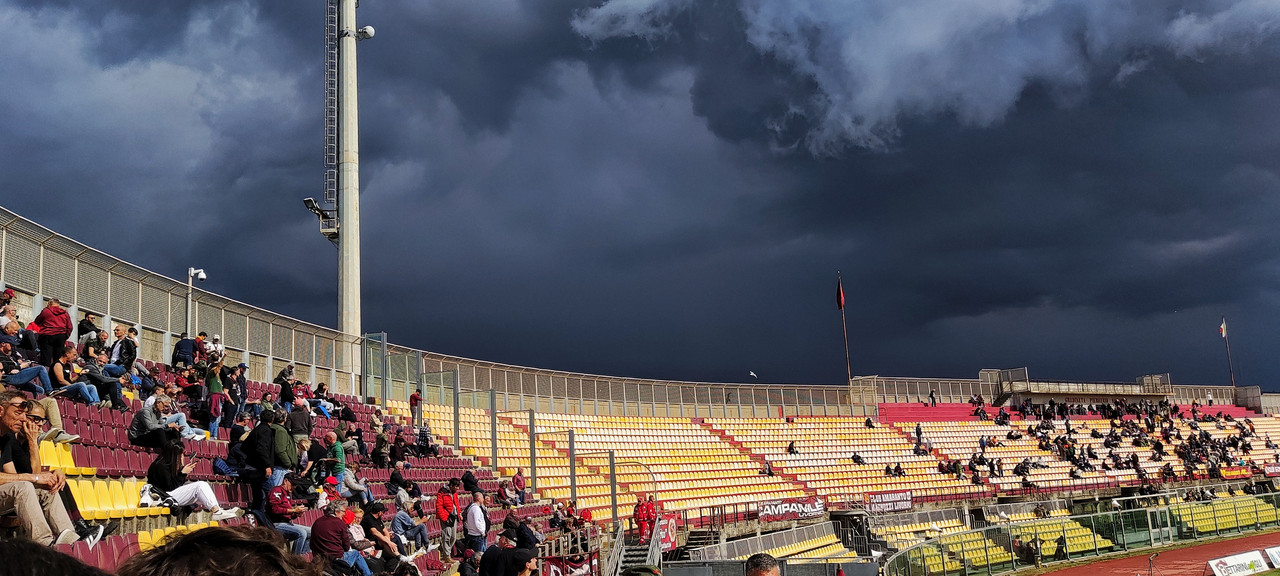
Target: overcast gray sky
[[666, 188]]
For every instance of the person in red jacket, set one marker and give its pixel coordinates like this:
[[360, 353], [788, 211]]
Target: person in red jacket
[[448, 514], [54, 325], [641, 518]]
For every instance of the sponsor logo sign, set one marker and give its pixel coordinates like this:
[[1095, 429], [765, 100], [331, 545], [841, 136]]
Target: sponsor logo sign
[[1236, 472], [1274, 555], [1272, 469], [890, 501], [667, 531], [789, 509], [580, 565], [1239, 564]]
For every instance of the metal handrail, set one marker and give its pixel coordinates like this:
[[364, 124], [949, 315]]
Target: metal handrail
[[613, 564]]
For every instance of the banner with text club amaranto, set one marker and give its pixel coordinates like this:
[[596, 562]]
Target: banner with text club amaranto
[[789, 509], [1272, 469], [1236, 472], [889, 501], [667, 526]]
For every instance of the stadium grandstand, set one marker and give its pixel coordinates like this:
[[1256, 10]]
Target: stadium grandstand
[[155, 434]]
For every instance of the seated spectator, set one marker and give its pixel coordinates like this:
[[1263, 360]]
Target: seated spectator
[[150, 429], [331, 539], [169, 471], [355, 488], [121, 355], [791, 448], [869, 423], [40, 511], [411, 530], [23, 374], [767, 470], [109, 387], [507, 495], [353, 518], [378, 533], [857, 458], [282, 510]]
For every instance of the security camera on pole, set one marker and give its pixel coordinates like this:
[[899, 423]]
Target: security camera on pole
[[196, 274]]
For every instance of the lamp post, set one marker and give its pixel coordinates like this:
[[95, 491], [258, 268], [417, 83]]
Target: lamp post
[[192, 273]]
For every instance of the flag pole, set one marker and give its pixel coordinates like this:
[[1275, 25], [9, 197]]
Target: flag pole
[[1227, 339], [843, 326]]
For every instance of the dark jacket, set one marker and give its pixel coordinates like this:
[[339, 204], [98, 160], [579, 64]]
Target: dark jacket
[[128, 352], [186, 348], [300, 422], [260, 447], [162, 476], [146, 420], [469, 482]]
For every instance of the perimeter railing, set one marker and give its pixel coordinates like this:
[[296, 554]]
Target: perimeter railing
[[1003, 548]]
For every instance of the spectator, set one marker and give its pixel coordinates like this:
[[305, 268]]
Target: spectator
[[353, 487], [238, 388], [286, 453], [121, 355], [184, 352], [354, 518], [33, 496], [6, 297], [213, 382], [149, 428], [470, 564], [148, 381], [336, 457], [399, 450], [933, 398], [214, 347], [427, 443], [110, 388], [87, 326], [331, 540], [476, 522], [415, 407], [23, 374], [54, 325], [40, 560], [259, 450], [517, 482], [62, 379], [409, 529], [169, 471], [469, 482], [27, 460], [521, 562], [506, 495], [761, 565], [448, 514], [92, 344], [493, 561], [376, 531], [300, 421], [286, 381], [251, 550], [281, 510], [791, 448], [381, 449]]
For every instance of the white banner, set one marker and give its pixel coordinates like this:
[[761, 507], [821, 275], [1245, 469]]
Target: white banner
[[1242, 564], [1274, 555]]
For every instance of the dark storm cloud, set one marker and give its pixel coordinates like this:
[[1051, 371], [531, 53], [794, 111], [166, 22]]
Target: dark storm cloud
[[666, 188]]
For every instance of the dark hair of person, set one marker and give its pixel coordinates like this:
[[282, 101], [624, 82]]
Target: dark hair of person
[[220, 551], [760, 564], [35, 560], [171, 455]]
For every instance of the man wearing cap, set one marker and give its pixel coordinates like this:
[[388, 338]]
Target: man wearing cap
[[214, 346], [494, 560], [281, 510], [54, 325], [6, 297]]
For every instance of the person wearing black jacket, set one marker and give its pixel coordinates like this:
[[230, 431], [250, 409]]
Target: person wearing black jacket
[[168, 472], [259, 450], [122, 353], [469, 482], [86, 325]]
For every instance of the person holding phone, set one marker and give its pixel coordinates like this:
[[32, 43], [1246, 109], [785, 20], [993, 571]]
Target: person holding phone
[[168, 472]]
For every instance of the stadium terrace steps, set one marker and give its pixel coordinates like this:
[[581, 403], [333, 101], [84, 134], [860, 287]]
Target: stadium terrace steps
[[890, 413]]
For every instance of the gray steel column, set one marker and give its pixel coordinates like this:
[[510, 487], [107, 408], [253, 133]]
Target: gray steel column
[[348, 174], [493, 428], [457, 414], [533, 454], [613, 487], [386, 373], [573, 469]]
